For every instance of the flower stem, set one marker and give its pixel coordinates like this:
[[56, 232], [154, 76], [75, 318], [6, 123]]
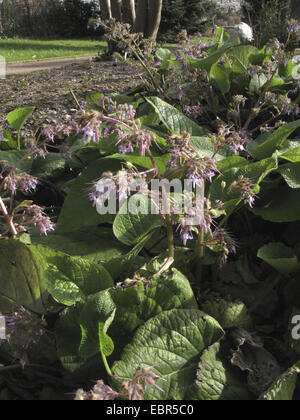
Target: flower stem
[[10, 223], [200, 252], [170, 236], [106, 365]]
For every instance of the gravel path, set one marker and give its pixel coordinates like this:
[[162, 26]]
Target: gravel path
[[32, 66], [50, 90]]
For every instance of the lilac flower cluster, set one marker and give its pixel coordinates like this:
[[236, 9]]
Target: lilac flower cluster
[[23, 182], [23, 332], [122, 184], [100, 392], [117, 120], [210, 211], [228, 136], [35, 216], [244, 186], [193, 111], [185, 156], [222, 241], [144, 376], [134, 390], [282, 103]]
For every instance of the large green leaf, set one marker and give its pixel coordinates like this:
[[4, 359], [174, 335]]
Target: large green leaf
[[165, 54], [216, 380], [286, 70], [51, 166], [173, 119], [228, 314], [279, 206], [144, 161], [9, 142], [291, 174], [232, 162], [279, 256], [131, 227], [257, 172], [241, 54], [18, 117], [169, 343], [22, 279], [68, 337], [283, 389], [14, 157], [71, 279], [95, 319], [291, 152], [95, 243], [257, 83], [206, 148], [221, 78], [138, 301], [208, 62], [78, 210], [275, 140]]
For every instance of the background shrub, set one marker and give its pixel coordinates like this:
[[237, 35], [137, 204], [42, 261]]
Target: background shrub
[[46, 18], [269, 19], [193, 16]]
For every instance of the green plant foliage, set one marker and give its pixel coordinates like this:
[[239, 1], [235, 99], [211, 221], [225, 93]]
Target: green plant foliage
[[280, 257], [95, 319], [198, 302], [78, 212], [130, 228], [173, 119], [229, 314], [169, 342], [70, 280], [283, 389], [22, 280], [216, 380], [18, 117], [94, 244]]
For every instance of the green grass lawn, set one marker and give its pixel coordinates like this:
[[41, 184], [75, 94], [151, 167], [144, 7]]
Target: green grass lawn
[[28, 49]]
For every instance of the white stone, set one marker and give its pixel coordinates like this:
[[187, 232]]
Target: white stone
[[296, 59], [242, 31]]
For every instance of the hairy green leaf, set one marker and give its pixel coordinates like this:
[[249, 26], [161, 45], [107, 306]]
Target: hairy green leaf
[[169, 343]]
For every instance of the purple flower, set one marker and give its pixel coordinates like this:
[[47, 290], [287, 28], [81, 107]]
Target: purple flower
[[209, 174], [125, 148], [49, 133], [186, 235], [250, 200], [89, 134], [38, 219], [193, 112], [2, 138]]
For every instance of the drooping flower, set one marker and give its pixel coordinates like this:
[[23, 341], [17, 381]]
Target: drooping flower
[[100, 392], [186, 234], [34, 215], [23, 182]]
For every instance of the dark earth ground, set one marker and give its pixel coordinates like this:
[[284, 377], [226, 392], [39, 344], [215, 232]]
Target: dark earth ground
[[50, 90]]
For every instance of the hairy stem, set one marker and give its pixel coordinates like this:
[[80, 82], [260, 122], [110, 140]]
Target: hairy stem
[[10, 223], [170, 236]]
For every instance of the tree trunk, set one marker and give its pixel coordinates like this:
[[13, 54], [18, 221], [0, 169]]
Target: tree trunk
[[116, 9], [128, 11], [148, 18], [154, 18], [105, 7], [141, 17]]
